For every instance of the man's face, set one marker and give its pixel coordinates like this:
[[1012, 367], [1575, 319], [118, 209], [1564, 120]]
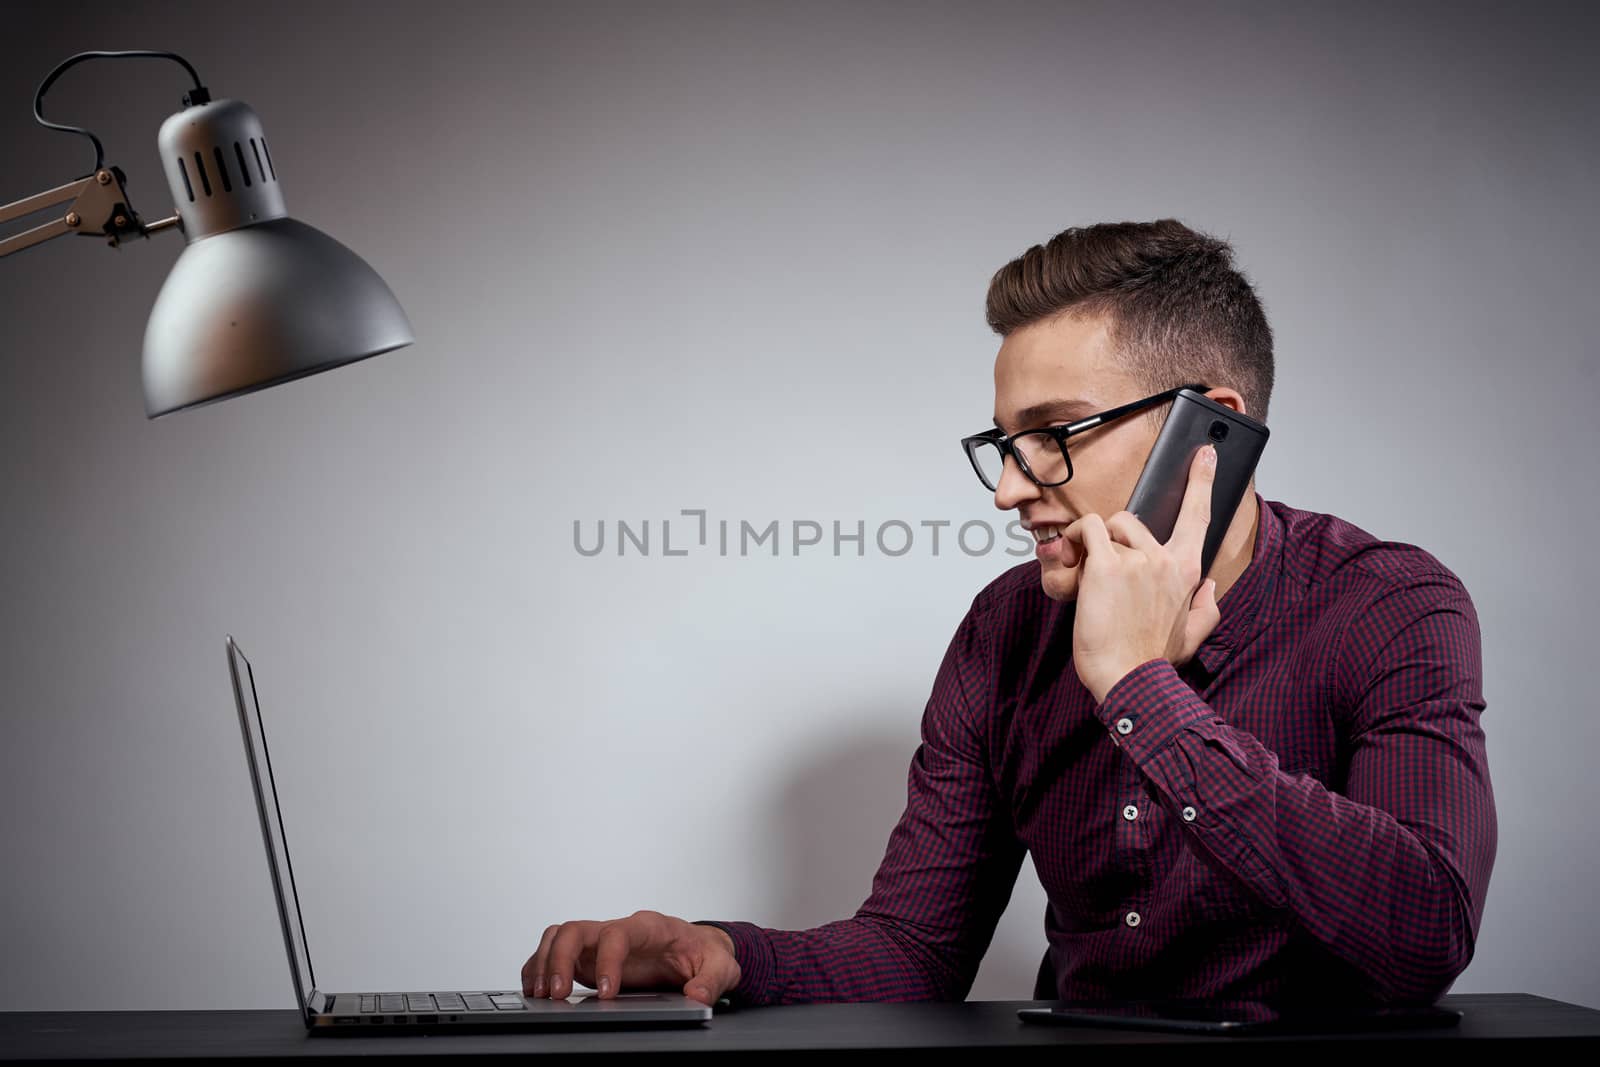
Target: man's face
[[1049, 374]]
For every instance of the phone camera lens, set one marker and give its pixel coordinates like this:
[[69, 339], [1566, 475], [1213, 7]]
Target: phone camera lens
[[1219, 431]]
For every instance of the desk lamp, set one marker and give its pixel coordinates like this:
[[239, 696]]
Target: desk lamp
[[256, 298]]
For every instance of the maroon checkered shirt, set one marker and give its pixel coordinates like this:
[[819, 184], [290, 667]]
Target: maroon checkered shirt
[[1305, 808]]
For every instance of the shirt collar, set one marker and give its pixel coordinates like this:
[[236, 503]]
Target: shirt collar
[[1243, 601]]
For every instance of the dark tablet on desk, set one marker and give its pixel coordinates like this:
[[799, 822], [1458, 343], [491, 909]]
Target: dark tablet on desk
[[1240, 1016]]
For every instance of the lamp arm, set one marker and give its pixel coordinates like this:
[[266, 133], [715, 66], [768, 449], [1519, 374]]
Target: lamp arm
[[99, 208], [99, 204]]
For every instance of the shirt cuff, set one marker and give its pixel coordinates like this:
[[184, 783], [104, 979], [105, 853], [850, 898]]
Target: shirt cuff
[[1148, 707], [752, 950]]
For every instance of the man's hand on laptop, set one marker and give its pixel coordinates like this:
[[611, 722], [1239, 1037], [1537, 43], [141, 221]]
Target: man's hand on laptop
[[645, 951]]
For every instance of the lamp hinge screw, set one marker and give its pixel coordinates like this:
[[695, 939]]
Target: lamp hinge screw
[[103, 177], [72, 218]]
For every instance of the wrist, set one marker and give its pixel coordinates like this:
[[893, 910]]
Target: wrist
[[725, 940], [1106, 681]]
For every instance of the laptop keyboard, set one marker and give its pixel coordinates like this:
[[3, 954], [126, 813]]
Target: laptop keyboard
[[431, 1003]]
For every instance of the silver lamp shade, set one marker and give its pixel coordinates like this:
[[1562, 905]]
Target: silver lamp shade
[[256, 298]]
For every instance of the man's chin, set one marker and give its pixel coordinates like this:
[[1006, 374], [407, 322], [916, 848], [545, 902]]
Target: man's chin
[[1060, 583]]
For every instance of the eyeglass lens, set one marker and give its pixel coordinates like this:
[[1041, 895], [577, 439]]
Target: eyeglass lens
[[1041, 453]]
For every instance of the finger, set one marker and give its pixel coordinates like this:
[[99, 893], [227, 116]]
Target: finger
[[719, 972], [1074, 532], [615, 942], [533, 971], [1085, 532], [1189, 533], [1126, 528], [563, 960], [1097, 542]]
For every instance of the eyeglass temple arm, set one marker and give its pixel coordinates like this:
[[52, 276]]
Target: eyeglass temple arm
[[1126, 409]]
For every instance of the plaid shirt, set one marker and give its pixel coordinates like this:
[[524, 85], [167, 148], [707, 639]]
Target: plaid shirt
[[1304, 808]]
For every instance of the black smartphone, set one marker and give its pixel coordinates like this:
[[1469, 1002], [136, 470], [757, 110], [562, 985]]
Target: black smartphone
[[1193, 422], [1242, 1017]]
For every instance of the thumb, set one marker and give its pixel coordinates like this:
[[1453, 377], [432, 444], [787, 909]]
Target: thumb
[[718, 973], [1204, 615]]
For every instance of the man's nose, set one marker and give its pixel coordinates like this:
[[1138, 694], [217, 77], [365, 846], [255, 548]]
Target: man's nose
[[1014, 487]]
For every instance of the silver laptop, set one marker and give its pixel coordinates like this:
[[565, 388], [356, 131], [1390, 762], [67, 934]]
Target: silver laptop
[[379, 1013]]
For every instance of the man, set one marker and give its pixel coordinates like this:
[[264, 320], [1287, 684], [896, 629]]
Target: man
[[1270, 784]]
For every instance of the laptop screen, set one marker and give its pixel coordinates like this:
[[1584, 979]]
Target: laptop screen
[[255, 745]]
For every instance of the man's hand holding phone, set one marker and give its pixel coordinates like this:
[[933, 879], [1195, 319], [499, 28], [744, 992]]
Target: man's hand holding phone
[[1137, 598]]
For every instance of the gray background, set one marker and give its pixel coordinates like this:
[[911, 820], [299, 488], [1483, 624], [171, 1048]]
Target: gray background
[[732, 257]]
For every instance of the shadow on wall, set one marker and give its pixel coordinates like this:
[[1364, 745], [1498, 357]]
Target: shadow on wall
[[833, 818]]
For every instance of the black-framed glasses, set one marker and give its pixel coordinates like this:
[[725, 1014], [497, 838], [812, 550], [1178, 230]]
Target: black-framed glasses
[[1042, 454]]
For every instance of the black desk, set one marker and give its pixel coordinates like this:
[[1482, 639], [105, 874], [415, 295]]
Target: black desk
[[799, 1030]]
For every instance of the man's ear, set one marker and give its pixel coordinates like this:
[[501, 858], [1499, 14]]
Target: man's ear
[[1228, 398]]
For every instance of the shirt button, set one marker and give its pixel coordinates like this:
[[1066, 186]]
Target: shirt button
[[1130, 813], [1132, 918], [1124, 727], [1188, 814]]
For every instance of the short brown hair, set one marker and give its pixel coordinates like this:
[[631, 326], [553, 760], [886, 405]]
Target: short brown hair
[[1178, 311]]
